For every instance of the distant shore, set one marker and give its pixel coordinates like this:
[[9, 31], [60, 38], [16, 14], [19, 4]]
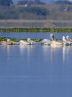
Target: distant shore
[[35, 29], [15, 41]]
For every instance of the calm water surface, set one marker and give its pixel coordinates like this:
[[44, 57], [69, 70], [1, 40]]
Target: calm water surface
[[35, 71], [20, 35]]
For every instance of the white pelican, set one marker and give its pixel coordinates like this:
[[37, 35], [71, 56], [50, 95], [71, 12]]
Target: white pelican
[[30, 41], [55, 43], [66, 41], [46, 42]]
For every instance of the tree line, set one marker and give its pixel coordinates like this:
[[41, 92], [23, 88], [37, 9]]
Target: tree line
[[35, 29]]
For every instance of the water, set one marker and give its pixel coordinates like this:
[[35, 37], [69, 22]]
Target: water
[[35, 71], [21, 35]]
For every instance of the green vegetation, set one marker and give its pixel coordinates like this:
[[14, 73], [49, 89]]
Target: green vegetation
[[35, 29], [17, 40], [2, 38], [5, 39]]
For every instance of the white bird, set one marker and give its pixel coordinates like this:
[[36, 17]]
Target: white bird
[[45, 42]]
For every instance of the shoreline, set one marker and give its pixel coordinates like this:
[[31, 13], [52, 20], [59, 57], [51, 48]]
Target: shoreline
[[17, 40], [35, 29]]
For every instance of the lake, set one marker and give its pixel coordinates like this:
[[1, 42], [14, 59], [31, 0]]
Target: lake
[[36, 70], [21, 35]]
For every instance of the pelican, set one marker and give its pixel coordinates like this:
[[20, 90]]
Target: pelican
[[7, 42], [66, 41], [22, 42], [55, 43], [45, 42], [30, 41]]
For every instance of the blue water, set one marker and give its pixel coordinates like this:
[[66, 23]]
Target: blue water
[[35, 71], [21, 35]]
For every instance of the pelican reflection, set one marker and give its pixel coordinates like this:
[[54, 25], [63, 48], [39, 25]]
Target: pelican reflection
[[45, 49], [25, 49], [66, 51], [29, 49], [52, 55]]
